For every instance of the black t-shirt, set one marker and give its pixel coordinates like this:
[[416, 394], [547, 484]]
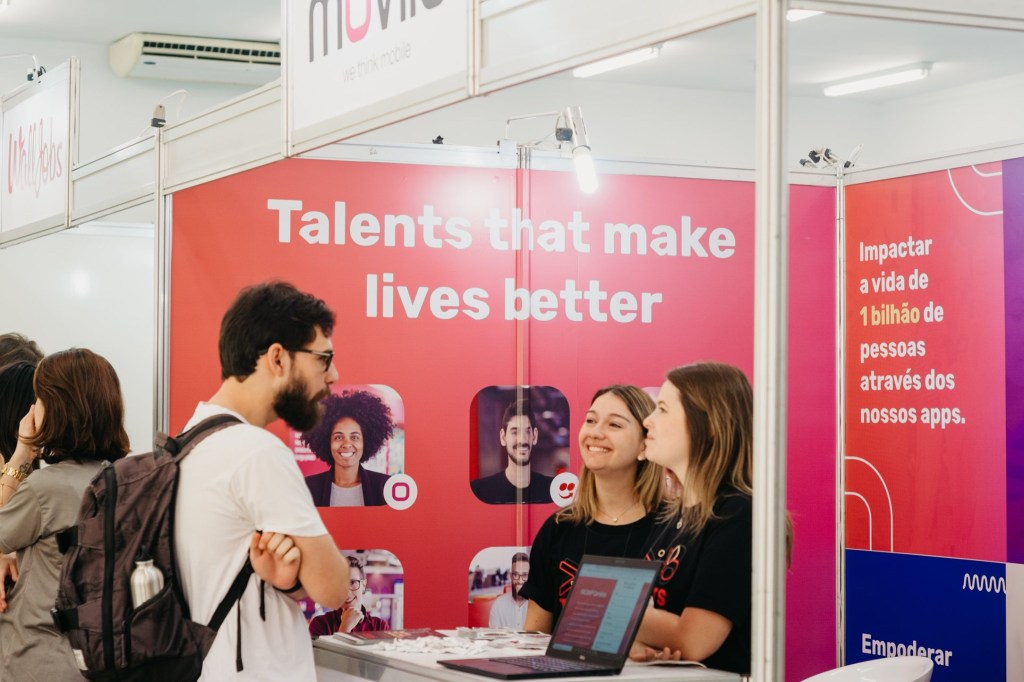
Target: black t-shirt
[[711, 571], [496, 489], [558, 547]]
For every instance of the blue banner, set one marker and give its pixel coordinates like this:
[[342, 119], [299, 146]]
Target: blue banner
[[952, 611]]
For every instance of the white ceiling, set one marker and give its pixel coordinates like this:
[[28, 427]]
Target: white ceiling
[[104, 21], [828, 48], [823, 48]]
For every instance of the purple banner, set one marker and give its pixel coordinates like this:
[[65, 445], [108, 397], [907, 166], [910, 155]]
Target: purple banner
[[1013, 253]]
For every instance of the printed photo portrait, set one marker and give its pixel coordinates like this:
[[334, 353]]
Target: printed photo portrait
[[496, 575], [375, 596], [359, 443], [519, 442]]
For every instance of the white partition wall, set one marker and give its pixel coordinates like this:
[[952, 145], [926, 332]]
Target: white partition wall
[[90, 287]]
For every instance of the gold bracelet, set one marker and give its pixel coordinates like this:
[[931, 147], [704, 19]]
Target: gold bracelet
[[13, 473]]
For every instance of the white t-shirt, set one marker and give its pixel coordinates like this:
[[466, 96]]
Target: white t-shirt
[[238, 480], [506, 613]]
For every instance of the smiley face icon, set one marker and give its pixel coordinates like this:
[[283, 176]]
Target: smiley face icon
[[563, 488]]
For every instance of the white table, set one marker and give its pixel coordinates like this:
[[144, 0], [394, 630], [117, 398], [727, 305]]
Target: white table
[[340, 662]]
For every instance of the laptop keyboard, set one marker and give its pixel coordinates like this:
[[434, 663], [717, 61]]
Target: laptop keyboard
[[547, 664]]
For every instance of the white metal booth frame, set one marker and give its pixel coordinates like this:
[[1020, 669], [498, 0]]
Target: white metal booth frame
[[252, 130]]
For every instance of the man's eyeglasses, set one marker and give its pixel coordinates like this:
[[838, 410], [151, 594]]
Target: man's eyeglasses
[[354, 583], [519, 576], [326, 356]]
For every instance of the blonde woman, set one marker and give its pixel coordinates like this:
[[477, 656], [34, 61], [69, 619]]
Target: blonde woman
[[612, 514], [701, 432]]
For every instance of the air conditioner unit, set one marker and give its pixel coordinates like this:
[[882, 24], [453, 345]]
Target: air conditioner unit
[[188, 58]]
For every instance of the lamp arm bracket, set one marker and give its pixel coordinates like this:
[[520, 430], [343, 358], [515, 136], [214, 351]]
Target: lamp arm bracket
[[523, 117]]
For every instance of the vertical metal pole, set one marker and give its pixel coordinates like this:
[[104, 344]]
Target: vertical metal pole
[[71, 159], [840, 416], [161, 270], [523, 202], [770, 297]]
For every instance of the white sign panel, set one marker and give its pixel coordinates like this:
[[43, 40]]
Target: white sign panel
[[36, 144], [353, 61]]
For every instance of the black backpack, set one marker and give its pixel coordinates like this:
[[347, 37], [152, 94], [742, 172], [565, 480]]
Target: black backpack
[[127, 514]]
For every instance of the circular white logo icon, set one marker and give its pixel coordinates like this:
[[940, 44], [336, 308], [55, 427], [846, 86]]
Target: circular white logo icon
[[400, 491], [564, 488]]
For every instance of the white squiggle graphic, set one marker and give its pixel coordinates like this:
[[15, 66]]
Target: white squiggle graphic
[[984, 583], [871, 530], [887, 495], [984, 174], [970, 208]]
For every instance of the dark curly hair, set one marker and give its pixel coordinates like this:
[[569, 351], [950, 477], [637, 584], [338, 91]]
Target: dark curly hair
[[369, 411]]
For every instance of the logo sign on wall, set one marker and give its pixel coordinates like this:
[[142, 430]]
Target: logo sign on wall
[[36, 152], [358, 61]]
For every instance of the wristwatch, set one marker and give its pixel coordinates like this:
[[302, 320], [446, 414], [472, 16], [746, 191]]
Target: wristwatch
[[14, 473]]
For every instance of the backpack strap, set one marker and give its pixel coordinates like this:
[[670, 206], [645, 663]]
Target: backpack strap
[[66, 539], [182, 444], [179, 447], [234, 595]]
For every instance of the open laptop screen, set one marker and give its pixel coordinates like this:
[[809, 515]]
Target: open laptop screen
[[601, 614]]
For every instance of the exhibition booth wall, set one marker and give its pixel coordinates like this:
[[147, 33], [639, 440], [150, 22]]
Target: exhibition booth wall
[[448, 284]]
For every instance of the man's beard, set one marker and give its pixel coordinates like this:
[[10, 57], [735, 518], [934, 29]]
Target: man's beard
[[298, 411], [519, 457], [515, 591]]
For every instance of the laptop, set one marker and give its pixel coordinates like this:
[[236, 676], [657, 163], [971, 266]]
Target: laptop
[[595, 631]]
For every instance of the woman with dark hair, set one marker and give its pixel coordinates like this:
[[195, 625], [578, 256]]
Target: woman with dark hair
[[76, 424], [16, 396], [354, 427], [15, 347], [702, 433], [612, 514]]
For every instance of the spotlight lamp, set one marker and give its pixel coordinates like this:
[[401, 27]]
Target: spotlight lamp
[[579, 142], [823, 157], [31, 74], [159, 116], [570, 135]]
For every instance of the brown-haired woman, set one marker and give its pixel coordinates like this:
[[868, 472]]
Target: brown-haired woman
[[76, 423], [702, 433], [611, 515]]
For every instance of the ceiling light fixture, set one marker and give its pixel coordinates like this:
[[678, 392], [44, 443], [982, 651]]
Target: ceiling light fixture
[[801, 14], [617, 62], [882, 79]]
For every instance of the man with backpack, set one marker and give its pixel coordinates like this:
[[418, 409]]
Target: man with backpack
[[276, 362]]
